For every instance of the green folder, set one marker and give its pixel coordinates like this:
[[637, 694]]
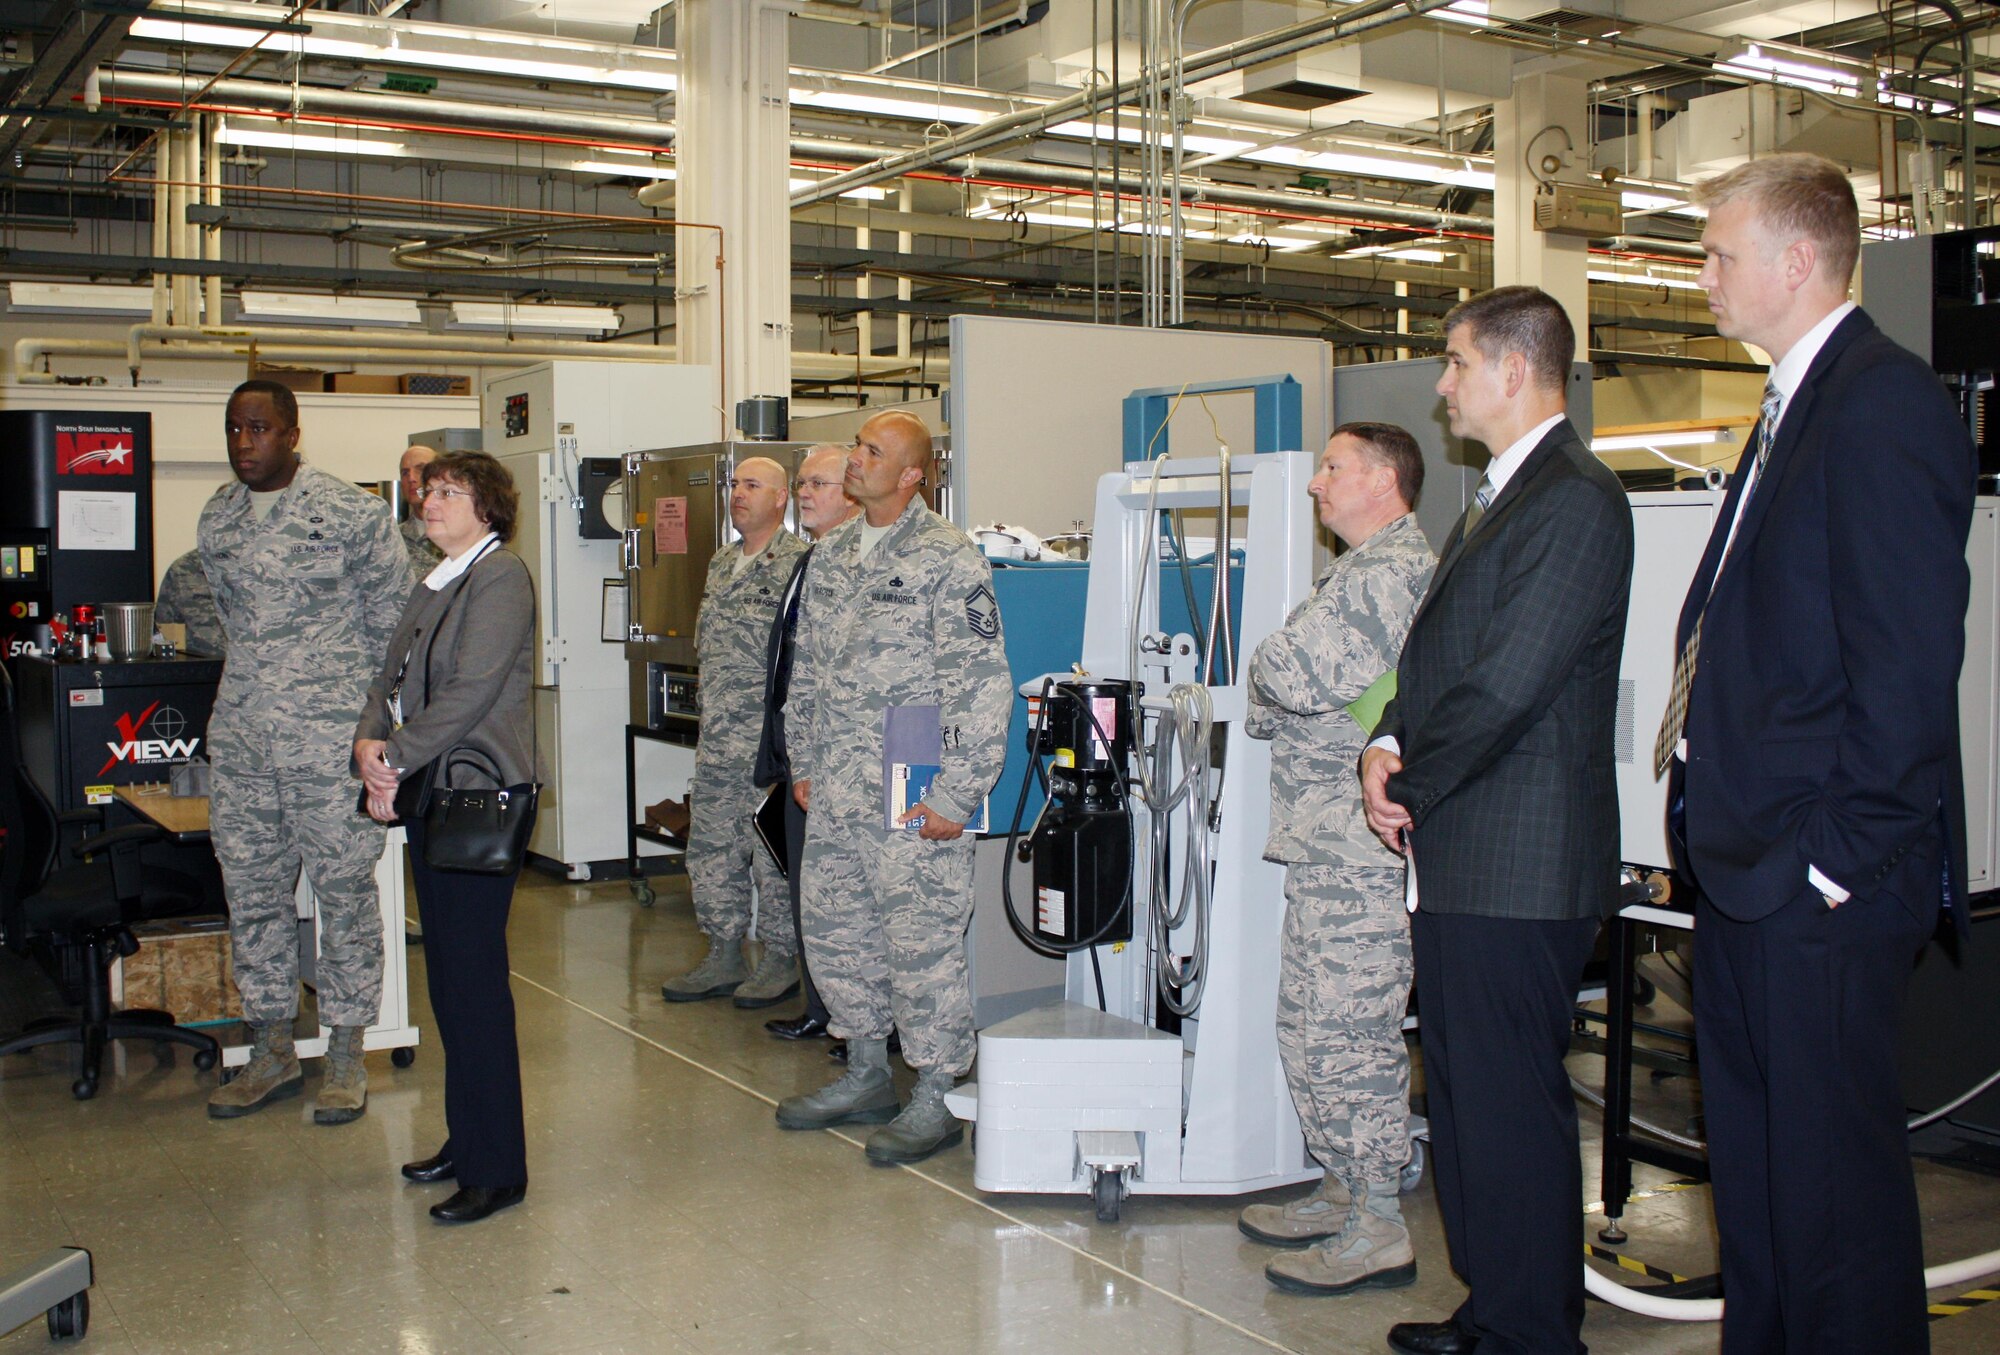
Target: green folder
[[1367, 708]]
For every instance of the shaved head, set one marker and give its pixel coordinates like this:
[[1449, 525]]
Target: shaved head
[[415, 458], [904, 432], [757, 497]]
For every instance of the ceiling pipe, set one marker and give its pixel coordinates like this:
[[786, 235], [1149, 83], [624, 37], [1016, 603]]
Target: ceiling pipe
[[275, 344], [1216, 61]]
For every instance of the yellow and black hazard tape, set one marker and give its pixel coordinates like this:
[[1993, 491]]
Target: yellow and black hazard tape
[[1664, 1188], [1964, 1303], [1636, 1267]]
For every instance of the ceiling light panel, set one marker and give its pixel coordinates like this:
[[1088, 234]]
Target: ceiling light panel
[[504, 315], [79, 298], [399, 42], [318, 308]]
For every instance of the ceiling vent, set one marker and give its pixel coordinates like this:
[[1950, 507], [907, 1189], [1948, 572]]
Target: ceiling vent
[[1302, 95], [1537, 18]]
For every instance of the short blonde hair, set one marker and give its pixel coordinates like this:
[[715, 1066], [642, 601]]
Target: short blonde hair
[[1797, 196]]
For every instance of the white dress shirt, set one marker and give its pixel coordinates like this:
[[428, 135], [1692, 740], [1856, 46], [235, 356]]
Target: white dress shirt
[[450, 569]]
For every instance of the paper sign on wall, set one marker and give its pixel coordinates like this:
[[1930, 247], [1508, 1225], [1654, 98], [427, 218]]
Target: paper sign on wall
[[670, 526]]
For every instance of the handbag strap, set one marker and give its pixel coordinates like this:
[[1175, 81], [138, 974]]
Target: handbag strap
[[467, 753]]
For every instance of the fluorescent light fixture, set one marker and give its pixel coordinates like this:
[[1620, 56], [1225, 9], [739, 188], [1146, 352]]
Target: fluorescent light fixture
[[505, 315], [1471, 13], [914, 106], [321, 308], [1387, 165], [1676, 283], [635, 170], [72, 298], [869, 193], [283, 139], [1127, 134], [1639, 442], [1419, 251], [1287, 244], [400, 42], [1797, 67]]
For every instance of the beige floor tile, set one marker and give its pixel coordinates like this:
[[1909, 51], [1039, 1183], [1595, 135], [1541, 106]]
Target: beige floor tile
[[668, 1214]]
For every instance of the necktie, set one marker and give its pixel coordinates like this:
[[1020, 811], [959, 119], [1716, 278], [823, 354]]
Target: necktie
[[1482, 498], [1675, 720]]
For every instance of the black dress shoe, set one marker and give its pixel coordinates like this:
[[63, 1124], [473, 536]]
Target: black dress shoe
[[797, 1027], [1432, 1338], [439, 1168], [473, 1203]]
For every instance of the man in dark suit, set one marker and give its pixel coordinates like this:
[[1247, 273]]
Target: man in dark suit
[[1492, 770], [823, 505], [1814, 749]]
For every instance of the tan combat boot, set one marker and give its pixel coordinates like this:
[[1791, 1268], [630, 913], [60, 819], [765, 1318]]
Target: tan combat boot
[[272, 1074], [1301, 1222], [343, 1094], [1371, 1252]]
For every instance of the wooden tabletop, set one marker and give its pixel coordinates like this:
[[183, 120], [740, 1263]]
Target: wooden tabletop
[[183, 816]]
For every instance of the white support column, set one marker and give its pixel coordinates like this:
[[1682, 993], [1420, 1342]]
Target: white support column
[[1547, 115], [733, 298]]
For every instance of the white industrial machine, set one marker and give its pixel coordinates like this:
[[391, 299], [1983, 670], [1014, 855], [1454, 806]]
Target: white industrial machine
[[560, 429], [1670, 529], [1159, 1071]]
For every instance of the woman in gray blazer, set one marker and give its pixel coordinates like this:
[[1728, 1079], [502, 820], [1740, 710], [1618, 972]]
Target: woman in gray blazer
[[456, 681]]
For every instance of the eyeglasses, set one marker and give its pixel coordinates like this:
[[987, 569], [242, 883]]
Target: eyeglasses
[[447, 492], [815, 484]]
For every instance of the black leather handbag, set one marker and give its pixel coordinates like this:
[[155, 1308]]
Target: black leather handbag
[[480, 831]]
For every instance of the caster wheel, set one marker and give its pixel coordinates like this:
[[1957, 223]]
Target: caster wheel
[[643, 892], [580, 874], [83, 1088], [204, 1060], [1106, 1190], [403, 1057], [1413, 1170], [1643, 992], [70, 1318]]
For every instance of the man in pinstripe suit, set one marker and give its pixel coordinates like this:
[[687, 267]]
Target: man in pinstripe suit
[[1492, 771]]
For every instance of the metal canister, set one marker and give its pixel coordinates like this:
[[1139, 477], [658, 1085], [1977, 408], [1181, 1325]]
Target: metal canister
[[128, 630]]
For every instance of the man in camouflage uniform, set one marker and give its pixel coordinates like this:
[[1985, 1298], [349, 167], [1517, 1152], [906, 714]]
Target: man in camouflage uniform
[[898, 610], [1344, 968], [310, 579], [186, 599], [746, 581], [424, 556]]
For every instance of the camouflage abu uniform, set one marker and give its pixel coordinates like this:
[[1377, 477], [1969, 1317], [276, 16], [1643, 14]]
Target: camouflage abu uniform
[[424, 554], [309, 598], [1344, 971], [185, 598], [884, 912], [732, 639]]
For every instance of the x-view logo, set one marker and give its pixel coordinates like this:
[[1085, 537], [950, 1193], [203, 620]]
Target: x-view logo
[[169, 746]]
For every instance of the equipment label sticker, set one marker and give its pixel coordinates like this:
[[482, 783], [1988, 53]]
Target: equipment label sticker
[[93, 696], [1051, 912]]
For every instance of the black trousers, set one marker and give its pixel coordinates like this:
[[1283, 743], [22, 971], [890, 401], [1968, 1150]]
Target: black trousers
[[795, 852], [1495, 998], [1797, 1019], [464, 918]]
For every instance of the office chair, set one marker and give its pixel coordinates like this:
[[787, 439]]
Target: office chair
[[76, 920]]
